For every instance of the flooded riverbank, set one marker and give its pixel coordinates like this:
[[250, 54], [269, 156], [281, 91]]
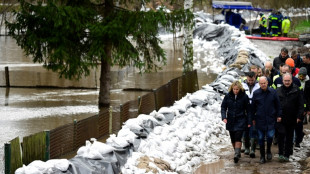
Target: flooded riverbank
[[30, 109]]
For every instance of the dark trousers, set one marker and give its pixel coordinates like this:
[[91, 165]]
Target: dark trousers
[[246, 136], [265, 133], [285, 141], [299, 132], [263, 30], [274, 31]]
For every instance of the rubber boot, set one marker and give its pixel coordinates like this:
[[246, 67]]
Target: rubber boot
[[253, 147], [269, 154], [246, 146], [237, 155], [243, 145], [262, 154]]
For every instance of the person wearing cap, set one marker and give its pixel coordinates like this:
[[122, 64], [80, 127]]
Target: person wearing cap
[[263, 24], [286, 24], [305, 87], [280, 19], [303, 77], [281, 59], [250, 84], [291, 99], [290, 62], [306, 63]]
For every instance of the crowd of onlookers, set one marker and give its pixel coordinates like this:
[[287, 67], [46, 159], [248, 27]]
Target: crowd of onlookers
[[269, 106]]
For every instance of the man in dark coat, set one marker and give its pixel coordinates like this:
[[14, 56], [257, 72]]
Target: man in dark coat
[[297, 59], [266, 111], [278, 82], [281, 59], [291, 99], [306, 63]]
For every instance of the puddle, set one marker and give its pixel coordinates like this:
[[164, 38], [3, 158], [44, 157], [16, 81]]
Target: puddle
[[211, 168]]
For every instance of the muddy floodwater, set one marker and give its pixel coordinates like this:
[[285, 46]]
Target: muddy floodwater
[[29, 106]]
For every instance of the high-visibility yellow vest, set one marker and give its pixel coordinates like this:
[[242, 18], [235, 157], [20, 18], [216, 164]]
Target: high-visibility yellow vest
[[286, 23], [263, 21]]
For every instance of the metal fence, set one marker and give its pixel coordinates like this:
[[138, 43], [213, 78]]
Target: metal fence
[[68, 138]]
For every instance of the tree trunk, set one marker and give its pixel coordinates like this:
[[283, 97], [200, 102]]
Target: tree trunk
[[105, 74], [188, 52], [105, 82]]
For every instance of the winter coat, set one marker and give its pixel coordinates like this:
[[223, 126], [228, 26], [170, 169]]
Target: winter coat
[[286, 24], [292, 104], [266, 108], [279, 82], [295, 71], [303, 83], [247, 89], [278, 60], [307, 95], [236, 111], [235, 20], [298, 61]]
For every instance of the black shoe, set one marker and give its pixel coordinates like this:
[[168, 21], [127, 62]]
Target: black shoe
[[269, 156], [236, 158], [252, 154], [262, 160]]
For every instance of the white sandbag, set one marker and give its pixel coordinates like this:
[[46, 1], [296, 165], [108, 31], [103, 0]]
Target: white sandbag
[[61, 164]]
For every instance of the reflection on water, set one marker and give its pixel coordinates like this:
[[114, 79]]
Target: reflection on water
[[25, 111], [211, 168]]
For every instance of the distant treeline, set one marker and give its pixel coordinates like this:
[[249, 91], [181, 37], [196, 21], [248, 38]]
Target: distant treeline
[[200, 4], [276, 4]]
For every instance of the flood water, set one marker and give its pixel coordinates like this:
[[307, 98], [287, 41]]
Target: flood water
[[29, 107]]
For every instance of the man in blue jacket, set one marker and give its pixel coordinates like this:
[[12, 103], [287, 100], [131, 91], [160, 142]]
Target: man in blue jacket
[[266, 112]]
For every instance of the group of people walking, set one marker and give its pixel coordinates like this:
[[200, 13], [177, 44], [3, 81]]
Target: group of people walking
[[269, 104], [275, 25]]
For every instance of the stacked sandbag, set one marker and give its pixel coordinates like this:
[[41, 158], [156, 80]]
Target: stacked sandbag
[[242, 59]]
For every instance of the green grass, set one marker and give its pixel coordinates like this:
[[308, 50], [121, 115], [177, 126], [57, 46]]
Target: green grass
[[303, 26], [299, 27]]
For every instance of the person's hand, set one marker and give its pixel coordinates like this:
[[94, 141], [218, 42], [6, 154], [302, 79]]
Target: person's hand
[[225, 121], [279, 119], [308, 112], [254, 122], [249, 125], [298, 120]]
